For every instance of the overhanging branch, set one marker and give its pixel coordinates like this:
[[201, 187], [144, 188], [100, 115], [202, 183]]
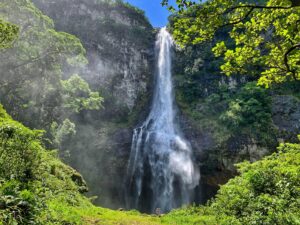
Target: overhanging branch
[[251, 9], [286, 59]]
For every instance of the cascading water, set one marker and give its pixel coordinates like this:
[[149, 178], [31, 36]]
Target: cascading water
[[161, 173]]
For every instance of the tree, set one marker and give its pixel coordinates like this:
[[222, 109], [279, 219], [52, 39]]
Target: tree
[[78, 96], [266, 35], [36, 74], [32, 70], [8, 33]]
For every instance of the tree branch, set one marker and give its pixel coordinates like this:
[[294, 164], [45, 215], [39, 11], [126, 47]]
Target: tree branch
[[238, 21], [38, 58], [286, 63], [251, 9], [257, 7]]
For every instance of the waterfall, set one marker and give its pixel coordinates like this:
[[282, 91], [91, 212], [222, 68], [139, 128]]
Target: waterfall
[[161, 173]]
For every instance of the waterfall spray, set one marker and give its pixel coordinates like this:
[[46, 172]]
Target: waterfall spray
[[161, 172]]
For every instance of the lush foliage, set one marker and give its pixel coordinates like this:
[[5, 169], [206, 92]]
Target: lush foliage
[[62, 132], [77, 95], [37, 188], [46, 93], [264, 44], [8, 33], [266, 192], [37, 79], [266, 35], [39, 86], [242, 113], [230, 107], [250, 107]]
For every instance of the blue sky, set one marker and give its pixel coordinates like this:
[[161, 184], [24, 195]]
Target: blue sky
[[157, 14]]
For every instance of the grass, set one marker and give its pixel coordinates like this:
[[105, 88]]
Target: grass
[[86, 214]]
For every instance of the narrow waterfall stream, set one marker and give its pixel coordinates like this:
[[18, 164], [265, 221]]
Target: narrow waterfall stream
[[161, 172]]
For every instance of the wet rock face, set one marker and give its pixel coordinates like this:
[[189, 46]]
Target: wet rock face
[[217, 160], [202, 141], [122, 138], [286, 113], [119, 42]]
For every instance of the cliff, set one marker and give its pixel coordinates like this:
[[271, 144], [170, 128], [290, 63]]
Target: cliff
[[109, 44], [119, 43], [229, 119], [118, 39]]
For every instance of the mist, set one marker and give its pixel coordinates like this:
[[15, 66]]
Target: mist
[[111, 50]]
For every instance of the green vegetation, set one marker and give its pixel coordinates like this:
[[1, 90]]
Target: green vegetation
[[8, 33], [39, 86], [267, 192], [77, 95], [227, 107], [260, 40], [36, 85], [118, 41], [37, 188], [265, 33], [249, 108], [40, 189], [232, 113]]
